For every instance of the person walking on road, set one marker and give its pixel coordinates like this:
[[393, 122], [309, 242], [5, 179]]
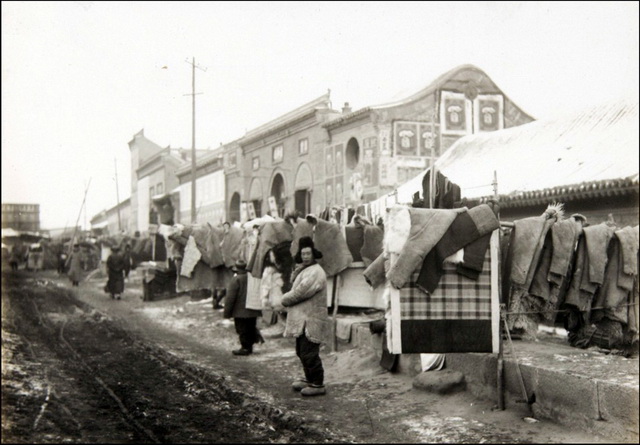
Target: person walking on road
[[115, 268], [235, 307], [75, 266], [128, 263], [307, 317]]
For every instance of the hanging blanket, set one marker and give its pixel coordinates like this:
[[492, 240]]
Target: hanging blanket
[[192, 256], [372, 246], [611, 300], [202, 277], [598, 238], [328, 239], [271, 234], [231, 246], [459, 316], [412, 233], [208, 241]]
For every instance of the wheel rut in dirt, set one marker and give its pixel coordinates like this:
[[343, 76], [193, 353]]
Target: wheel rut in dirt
[[99, 382]]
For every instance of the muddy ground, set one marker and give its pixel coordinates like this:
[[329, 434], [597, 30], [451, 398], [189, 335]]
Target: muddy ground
[[79, 367]]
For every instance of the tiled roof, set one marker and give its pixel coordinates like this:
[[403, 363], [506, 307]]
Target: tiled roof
[[593, 151], [566, 193]]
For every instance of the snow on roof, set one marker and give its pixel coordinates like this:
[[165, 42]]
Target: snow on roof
[[599, 143]]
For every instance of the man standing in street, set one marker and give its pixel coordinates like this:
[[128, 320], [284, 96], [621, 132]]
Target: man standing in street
[[307, 318], [235, 307]]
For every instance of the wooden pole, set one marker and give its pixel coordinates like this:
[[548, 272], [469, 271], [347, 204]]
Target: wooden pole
[[193, 135], [500, 363], [334, 301], [432, 187], [193, 141], [75, 229]]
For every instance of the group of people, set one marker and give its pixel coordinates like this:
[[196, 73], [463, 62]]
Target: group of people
[[298, 293], [118, 268], [302, 296]]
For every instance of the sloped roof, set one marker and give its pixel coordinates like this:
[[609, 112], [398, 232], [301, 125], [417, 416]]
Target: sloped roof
[[320, 102], [436, 84], [596, 146]]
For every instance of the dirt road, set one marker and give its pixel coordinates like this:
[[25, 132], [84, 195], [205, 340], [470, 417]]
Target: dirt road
[[80, 367]]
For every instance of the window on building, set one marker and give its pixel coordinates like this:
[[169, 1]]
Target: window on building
[[277, 153], [232, 160], [152, 191], [303, 146], [160, 188], [255, 163]]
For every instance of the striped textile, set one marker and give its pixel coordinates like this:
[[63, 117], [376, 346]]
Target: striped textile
[[456, 297]]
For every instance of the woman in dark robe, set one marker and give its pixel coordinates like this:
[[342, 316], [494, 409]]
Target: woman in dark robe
[[116, 266]]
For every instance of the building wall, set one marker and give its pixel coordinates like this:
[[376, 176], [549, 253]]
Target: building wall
[[298, 168], [24, 217], [397, 142], [140, 149], [210, 199], [125, 216]]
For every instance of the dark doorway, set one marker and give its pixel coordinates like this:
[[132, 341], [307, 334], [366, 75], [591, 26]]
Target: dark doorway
[[234, 208], [303, 201], [277, 191], [352, 155]]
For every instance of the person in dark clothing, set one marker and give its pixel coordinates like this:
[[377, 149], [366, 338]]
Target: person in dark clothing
[[235, 307], [127, 260], [116, 268]]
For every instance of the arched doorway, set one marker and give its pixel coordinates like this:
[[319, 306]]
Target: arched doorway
[[234, 208], [277, 191], [302, 185], [255, 197], [352, 155]]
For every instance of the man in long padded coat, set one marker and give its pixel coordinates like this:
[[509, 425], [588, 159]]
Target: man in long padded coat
[[307, 317], [235, 307]]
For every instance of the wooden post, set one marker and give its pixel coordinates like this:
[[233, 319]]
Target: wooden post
[[334, 301], [500, 364], [432, 186]]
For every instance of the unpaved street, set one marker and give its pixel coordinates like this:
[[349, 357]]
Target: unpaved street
[[79, 367]]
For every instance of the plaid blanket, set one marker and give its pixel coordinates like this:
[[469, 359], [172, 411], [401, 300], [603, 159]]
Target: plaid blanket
[[456, 317], [456, 297]]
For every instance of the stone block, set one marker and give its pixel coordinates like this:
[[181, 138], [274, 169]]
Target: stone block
[[566, 398], [618, 406], [444, 381]]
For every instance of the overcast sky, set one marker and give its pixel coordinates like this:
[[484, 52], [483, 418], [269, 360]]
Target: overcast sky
[[79, 79]]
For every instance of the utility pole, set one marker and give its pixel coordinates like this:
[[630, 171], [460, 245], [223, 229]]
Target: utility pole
[[193, 135], [75, 230], [117, 195]]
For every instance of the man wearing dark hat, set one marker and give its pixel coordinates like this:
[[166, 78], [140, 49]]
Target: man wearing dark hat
[[235, 307], [115, 268], [307, 318]]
